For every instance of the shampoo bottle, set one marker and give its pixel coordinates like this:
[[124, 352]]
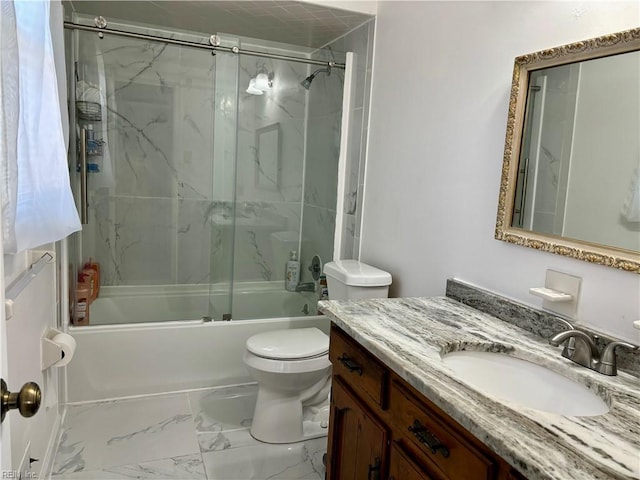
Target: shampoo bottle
[[83, 296], [324, 291], [292, 273], [92, 271]]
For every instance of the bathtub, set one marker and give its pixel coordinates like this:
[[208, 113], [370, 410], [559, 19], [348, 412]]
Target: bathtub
[[155, 355], [162, 303]]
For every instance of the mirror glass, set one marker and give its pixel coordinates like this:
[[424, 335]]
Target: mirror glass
[[571, 178]]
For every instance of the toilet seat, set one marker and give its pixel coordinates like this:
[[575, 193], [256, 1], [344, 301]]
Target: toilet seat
[[289, 345], [287, 366]]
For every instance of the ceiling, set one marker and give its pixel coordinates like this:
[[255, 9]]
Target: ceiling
[[297, 23]]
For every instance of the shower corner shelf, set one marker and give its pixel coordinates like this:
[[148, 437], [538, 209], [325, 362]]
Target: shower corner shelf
[[91, 111]]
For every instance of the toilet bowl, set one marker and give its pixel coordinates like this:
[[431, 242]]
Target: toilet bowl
[[293, 372]]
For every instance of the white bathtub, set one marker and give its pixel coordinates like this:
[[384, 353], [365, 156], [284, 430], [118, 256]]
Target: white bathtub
[[137, 351], [114, 361], [162, 303]]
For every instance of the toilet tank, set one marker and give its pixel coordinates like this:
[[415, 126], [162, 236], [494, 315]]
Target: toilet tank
[[352, 279]]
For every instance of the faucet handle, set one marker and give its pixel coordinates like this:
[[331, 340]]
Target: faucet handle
[[608, 363]]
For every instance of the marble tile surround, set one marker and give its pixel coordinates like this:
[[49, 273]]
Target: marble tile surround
[[201, 434], [538, 322], [359, 41]]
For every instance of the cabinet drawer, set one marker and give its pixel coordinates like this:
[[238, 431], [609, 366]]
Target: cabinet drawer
[[358, 367], [434, 441]]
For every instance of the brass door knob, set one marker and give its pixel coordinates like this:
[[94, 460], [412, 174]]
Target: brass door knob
[[27, 400]]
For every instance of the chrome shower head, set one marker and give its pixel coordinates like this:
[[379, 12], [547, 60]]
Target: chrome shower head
[[306, 83]]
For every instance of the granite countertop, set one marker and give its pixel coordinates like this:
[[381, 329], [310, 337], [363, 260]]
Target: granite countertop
[[409, 334]]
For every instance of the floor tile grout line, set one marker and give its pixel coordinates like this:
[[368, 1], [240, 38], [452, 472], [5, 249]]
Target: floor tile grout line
[[158, 394]]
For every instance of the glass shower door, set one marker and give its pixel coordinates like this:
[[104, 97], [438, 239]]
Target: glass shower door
[[145, 110], [286, 180]]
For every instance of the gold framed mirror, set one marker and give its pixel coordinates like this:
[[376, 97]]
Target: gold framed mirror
[[571, 168]]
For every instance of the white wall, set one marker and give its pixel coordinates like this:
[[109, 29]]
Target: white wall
[[441, 83]]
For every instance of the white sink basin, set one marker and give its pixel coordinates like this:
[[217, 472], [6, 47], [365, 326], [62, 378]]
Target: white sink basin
[[524, 383]]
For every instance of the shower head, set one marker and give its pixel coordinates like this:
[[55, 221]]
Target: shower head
[[306, 83]]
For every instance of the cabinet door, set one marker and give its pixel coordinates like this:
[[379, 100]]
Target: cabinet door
[[357, 440], [402, 467]]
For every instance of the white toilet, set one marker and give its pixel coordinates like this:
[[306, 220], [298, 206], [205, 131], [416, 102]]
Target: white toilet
[[293, 372], [292, 367]]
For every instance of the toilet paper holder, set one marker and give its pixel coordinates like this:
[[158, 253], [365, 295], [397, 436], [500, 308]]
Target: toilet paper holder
[[50, 351]]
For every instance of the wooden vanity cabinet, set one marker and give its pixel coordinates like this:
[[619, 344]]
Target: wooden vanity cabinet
[[381, 428]]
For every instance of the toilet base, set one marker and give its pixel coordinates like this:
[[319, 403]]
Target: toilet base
[[315, 422], [287, 421]]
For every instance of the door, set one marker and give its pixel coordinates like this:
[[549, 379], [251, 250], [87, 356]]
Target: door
[[357, 440], [157, 201], [5, 433]]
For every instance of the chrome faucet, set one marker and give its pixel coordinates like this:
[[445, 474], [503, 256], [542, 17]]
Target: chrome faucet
[[608, 365], [306, 287], [585, 352], [570, 345]]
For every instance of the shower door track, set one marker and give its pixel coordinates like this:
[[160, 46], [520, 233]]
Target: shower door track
[[211, 46]]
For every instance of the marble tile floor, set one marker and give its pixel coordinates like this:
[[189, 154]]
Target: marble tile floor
[[201, 434]]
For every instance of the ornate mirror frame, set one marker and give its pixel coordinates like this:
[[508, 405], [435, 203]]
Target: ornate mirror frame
[[615, 43]]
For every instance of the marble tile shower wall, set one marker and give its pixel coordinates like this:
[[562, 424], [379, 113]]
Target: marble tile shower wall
[[324, 122], [360, 42]]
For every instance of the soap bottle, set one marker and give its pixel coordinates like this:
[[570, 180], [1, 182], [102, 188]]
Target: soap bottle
[[91, 270], [93, 150], [292, 273], [324, 291]]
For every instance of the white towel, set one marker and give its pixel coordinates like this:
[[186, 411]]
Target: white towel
[[46, 211], [9, 108]]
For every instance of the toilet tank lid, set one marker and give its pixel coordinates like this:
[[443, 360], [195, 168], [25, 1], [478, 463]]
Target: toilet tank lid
[[357, 274], [292, 344]]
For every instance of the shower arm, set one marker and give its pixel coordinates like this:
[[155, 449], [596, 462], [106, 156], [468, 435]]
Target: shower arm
[[326, 70], [306, 83]]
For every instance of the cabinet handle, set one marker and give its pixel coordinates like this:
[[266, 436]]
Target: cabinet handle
[[350, 364], [374, 470], [427, 438]]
